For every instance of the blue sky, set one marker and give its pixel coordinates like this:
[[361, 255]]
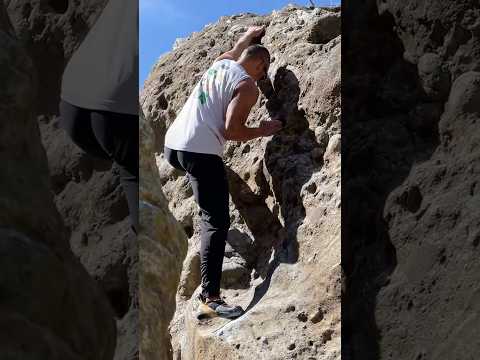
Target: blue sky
[[162, 21]]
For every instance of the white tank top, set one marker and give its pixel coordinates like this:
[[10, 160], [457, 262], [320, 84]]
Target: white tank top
[[200, 124]]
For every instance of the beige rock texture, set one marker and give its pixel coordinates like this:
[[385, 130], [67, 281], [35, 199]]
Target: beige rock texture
[[282, 261], [433, 216], [50, 307], [163, 246], [87, 191], [411, 77]]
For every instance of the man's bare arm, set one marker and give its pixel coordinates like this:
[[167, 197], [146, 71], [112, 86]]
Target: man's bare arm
[[244, 99], [242, 43]]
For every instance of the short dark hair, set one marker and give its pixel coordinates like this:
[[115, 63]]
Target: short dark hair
[[257, 51]]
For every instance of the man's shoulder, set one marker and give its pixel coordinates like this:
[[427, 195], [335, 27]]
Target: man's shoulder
[[247, 85], [247, 90], [225, 61]]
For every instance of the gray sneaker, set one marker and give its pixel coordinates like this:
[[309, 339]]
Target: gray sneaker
[[219, 308]]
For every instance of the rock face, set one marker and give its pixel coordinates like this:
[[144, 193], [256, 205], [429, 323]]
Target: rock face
[[87, 190], [50, 306], [411, 220], [163, 245], [433, 216], [283, 253]]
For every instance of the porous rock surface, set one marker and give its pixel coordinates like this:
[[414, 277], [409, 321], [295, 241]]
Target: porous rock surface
[[50, 307], [433, 216], [87, 190], [412, 91], [163, 246], [283, 253]]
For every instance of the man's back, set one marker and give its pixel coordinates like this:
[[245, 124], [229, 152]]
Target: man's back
[[200, 124]]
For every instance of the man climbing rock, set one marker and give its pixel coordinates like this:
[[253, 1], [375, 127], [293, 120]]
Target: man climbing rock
[[217, 111]]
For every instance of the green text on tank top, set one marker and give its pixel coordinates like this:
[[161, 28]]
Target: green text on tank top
[[216, 72]]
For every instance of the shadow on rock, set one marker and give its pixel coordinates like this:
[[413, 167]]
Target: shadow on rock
[[382, 139], [287, 166]]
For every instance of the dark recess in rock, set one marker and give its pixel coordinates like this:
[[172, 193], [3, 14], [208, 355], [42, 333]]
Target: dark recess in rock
[[59, 6], [303, 317], [188, 230], [411, 199], [162, 102], [115, 284]]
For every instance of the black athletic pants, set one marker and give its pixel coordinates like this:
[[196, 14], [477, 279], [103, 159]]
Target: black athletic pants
[[111, 136], [208, 179]]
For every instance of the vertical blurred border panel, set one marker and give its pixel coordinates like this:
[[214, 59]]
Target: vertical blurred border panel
[[410, 169], [68, 249]]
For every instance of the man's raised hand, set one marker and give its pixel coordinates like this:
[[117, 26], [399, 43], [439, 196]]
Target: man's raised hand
[[255, 32]]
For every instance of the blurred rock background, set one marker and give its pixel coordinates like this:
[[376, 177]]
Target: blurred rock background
[[85, 190], [51, 307], [410, 78]]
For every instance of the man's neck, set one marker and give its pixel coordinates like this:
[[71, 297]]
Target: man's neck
[[244, 65]]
